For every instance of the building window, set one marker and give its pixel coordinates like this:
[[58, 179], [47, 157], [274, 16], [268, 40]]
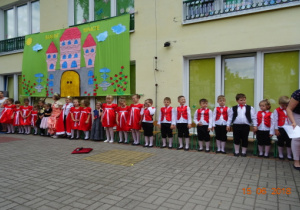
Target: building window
[[22, 20], [69, 56], [239, 78], [100, 9]]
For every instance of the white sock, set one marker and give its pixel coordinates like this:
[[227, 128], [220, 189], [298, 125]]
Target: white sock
[[164, 141], [86, 133], [218, 145], [289, 152], [78, 133], [35, 130], [8, 128], [170, 142], [280, 152], [107, 134], [261, 149], [180, 142], [121, 136], [28, 129], [267, 150], [187, 143], [223, 144], [200, 144], [72, 133], [126, 136], [111, 131], [244, 150], [151, 141], [133, 136], [207, 144], [12, 128], [236, 149], [20, 128], [146, 140], [137, 136]]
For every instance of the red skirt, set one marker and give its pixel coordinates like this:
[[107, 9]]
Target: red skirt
[[85, 126], [60, 127], [6, 115], [69, 124]]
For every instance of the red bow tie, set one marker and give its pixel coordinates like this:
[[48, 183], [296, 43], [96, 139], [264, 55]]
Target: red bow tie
[[241, 105], [67, 104]]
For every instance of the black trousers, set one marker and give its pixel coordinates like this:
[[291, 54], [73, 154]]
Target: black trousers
[[221, 132], [240, 134], [183, 130], [263, 138], [148, 129], [203, 133], [166, 130], [283, 137]]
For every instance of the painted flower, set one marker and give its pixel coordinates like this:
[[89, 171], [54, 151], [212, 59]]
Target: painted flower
[[125, 83], [93, 76], [34, 84], [122, 67], [116, 75], [85, 92], [23, 87], [112, 83], [110, 78], [124, 89], [97, 87], [94, 94], [89, 94], [126, 76], [117, 80], [31, 87], [33, 91], [94, 90], [115, 90], [120, 78], [118, 85], [120, 73], [23, 75], [23, 79], [95, 80]]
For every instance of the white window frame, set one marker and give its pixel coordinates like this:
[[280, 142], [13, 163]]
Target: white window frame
[[219, 72], [14, 8], [237, 13]]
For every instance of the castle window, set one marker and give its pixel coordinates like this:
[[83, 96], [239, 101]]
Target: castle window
[[69, 42], [54, 56], [49, 56], [90, 62], [65, 65], [75, 42], [91, 81], [76, 55], [64, 56], [87, 51], [63, 44], [90, 73], [51, 66], [92, 50], [51, 84], [51, 76], [69, 56], [74, 64]]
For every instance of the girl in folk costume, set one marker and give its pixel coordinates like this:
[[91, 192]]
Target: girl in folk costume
[[45, 118], [122, 120], [220, 118], [17, 117], [54, 126], [147, 122], [40, 115], [65, 117], [167, 122], [109, 118], [26, 116], [264, 131], [75, 116], [6, 116], [85, 122], [97, 129], [34, 117], [135, 118], [279, 120]]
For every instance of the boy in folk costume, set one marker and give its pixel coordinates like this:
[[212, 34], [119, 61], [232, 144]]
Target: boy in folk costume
[[183, 123], [167, 122], [147, 122]]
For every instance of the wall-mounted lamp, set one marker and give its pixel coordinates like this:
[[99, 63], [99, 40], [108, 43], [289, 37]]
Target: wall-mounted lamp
[[167, 44]]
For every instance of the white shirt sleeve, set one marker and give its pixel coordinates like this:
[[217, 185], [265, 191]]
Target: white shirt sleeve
[[142, 111], [214, 117], [210, 119], [230, 115], [159, 117], [174, 116], [253, 116], [275, 120], [152, 110], [189, 115], [272, 129], [195, 117]]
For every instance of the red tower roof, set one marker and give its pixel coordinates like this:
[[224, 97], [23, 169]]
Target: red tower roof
[[70, 33], [52, 48], [89, 41]]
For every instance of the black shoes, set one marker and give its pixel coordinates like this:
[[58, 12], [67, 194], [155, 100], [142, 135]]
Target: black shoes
[[179, 148], [244, 155], [236, 154]]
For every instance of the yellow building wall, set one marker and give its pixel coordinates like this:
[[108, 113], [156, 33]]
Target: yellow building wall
[[276, 28], [11, 63]]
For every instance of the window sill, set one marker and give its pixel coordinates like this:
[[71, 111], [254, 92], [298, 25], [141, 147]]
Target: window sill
[[11, 52], [239, 13]]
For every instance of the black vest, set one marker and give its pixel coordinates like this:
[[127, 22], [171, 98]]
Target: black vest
[[248, 113]]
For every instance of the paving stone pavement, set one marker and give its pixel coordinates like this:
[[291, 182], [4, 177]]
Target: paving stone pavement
[[40, 173]]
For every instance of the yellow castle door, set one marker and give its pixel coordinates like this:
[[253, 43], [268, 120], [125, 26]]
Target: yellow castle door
[[70, 84]]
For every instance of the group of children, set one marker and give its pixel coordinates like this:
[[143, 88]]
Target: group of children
[[75, 118]]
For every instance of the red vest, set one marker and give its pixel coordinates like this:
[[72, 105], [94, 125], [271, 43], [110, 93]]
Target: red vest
[[206, 115], [166, 112], [182, 111], [267, 118], [147, 115], [224, 113], [281, 116]]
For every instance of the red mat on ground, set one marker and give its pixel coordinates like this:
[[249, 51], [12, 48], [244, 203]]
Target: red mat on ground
[[80, 150]]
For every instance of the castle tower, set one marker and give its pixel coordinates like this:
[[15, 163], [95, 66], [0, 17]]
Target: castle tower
[[89, 49], [51, 57], [70, 48]]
